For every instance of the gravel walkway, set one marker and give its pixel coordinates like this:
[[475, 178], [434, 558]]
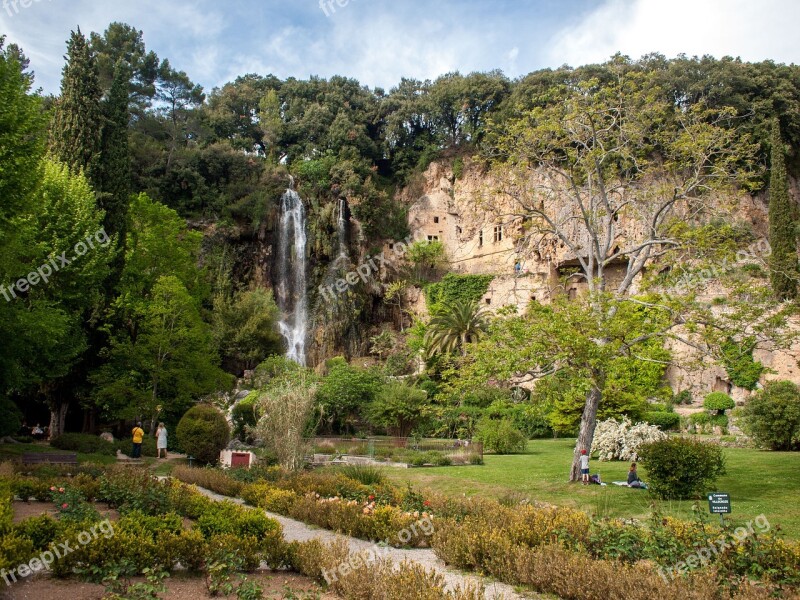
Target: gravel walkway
[[297, 531]]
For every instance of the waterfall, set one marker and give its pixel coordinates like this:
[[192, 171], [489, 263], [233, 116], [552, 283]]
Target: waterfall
[[341, 227], [291, 273]]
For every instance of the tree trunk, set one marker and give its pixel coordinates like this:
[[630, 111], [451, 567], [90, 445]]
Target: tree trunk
[[58, 414], [588, 423]]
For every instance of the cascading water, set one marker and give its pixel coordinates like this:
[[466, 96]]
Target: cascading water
[[341, 227], [291, 272]]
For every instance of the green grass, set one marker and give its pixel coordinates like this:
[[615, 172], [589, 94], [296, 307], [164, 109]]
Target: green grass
[[15, 451], [759, 482]]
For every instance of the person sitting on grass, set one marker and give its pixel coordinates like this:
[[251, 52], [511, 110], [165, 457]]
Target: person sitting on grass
[[633, 477]]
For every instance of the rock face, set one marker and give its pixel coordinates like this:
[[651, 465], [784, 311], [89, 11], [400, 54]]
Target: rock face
[[461, 214]]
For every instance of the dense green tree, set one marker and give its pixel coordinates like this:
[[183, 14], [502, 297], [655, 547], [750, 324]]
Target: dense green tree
[[235, 112], [344, 394], [245, 329], [65, 231], [167, 365], [123, 43], [569, 168], [783, 269], [398, 408], [177, 96], [772, 416], [114, 168], [75, 132], [159, 243]]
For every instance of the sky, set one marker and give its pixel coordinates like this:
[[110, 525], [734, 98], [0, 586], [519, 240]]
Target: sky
[[380, 41]]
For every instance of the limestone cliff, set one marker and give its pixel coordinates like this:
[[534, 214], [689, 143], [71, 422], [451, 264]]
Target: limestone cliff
[[459, 213]]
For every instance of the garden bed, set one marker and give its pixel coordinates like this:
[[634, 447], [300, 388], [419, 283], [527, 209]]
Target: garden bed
[[546, 549], [179, 587]]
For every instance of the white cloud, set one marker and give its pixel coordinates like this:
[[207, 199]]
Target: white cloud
[[753, 31]]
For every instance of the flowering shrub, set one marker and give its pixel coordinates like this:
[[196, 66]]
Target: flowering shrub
[[72, 506], [619, 440], [365, 520]]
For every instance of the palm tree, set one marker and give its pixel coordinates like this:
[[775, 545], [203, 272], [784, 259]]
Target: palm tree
[[454, 326]]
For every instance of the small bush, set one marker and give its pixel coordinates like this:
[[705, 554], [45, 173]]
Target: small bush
[[210, 478], [203, 432], [681, 468], [130, 489], [364, 474], [683, 397], [6, 508], [772, 416], [83, 443], [500, 437], [28, 487], [719, 402], [243, 415], [663, 420], [42, 531], [269, 498]]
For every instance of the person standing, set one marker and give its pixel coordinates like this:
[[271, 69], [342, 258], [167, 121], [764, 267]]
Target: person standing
[[161, 439], [138, 436], [584, 467]]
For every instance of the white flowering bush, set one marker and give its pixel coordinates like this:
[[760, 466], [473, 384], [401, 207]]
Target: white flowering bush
[[619, 440]]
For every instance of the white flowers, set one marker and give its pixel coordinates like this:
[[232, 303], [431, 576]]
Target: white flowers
[[619, 440]]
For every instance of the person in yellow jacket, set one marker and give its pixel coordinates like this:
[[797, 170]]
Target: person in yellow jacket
[[138, 436]]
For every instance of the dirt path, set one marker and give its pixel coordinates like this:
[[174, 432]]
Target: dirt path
[[297, 531]]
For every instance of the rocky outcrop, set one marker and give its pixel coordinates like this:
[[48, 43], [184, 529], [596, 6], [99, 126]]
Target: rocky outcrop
[[462, 214]]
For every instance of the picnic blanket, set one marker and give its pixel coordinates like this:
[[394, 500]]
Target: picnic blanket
[[625, 484]]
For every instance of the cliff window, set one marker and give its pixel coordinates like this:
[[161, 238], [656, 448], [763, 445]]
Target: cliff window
[[391, 246], [435, 219], [433, 238], [498, 233], [458, 230], [480, 239], [488, 301]]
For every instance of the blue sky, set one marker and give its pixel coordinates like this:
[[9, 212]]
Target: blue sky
[[380, 41]]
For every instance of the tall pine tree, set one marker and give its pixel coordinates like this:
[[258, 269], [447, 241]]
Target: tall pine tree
[[77, 119], [114, 167], [782, 236]]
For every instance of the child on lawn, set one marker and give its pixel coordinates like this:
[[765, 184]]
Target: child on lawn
[[584, 467]]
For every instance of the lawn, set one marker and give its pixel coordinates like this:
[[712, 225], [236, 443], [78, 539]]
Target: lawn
[[759, 482], [15, 451]]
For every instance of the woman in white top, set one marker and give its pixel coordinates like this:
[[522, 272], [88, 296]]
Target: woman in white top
[[161, 440]]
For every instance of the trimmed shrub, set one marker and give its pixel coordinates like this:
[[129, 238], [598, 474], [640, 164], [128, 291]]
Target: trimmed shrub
[[681, 468], [663, 420], [270, 498], [203, 432], [500, 436], [6, 509], [83, 443], [719, 402], [772, 416], [243, 415], [212, 479]]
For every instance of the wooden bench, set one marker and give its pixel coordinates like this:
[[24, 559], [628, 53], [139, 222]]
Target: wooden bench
[[50, 458]]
